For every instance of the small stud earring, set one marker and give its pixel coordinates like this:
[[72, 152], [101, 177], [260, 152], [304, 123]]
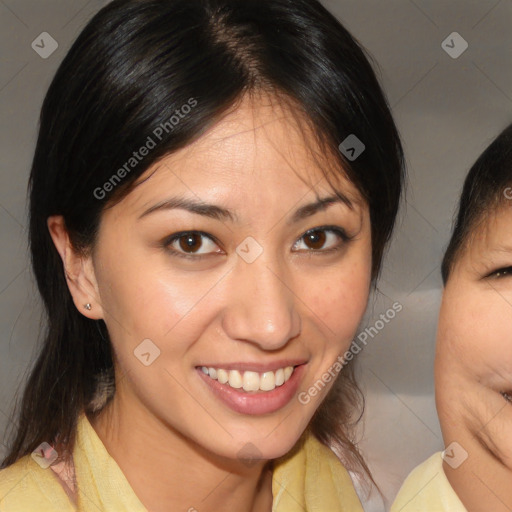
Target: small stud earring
[[87, 306]]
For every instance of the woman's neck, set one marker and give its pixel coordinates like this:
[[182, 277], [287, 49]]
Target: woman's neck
[[169, 472]]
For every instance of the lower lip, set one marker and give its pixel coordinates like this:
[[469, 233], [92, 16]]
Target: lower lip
[[254, 402]]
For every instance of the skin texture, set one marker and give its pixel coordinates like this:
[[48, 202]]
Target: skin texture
[[164, 427], [474, 365]]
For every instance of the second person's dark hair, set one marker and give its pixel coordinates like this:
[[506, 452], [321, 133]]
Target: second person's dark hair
[[487, 186]]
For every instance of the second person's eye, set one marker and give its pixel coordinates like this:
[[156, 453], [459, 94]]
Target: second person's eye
[[501, 272]]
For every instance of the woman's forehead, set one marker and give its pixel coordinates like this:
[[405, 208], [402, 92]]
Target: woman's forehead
[[489, 239], [255, 143]]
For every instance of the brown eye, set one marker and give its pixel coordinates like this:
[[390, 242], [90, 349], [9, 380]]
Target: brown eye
[[315, 239], [501, 273], [322, 240], [191, 242]]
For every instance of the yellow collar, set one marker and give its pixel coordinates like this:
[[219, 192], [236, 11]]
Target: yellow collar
[[309, 478]]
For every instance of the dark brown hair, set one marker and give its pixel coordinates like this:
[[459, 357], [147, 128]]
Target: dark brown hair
[[486, 187], [134, 65]]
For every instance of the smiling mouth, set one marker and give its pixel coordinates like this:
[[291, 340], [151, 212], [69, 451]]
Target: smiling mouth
[[250, 381]]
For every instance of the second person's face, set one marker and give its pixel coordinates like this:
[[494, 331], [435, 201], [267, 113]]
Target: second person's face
[[474, 356]]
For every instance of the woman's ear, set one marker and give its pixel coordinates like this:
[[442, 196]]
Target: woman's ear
[[79, 271]]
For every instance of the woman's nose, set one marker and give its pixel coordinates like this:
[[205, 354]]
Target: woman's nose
[[262, 307]]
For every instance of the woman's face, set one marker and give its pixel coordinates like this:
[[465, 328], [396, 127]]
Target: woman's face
[[206, 264], [474, 349]]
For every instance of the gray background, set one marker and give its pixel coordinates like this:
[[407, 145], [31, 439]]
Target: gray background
[[447, 111]]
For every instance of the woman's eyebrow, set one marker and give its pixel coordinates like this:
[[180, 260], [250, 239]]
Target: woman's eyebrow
[[217, 212]]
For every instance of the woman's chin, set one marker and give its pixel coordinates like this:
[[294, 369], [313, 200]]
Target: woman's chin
[[253, 450]]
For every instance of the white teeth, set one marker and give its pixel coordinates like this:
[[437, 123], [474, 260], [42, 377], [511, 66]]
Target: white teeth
[[249, 380], [268, 381], [222, 376], [280, 377], [235, 379]]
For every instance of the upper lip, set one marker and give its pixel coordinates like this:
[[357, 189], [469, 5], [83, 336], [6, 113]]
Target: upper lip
[[258, 367]]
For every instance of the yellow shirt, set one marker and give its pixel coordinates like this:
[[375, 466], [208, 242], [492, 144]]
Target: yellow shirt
[[312, 479], [427, 489]]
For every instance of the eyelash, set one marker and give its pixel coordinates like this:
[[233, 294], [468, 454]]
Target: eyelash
[[167, 242]]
